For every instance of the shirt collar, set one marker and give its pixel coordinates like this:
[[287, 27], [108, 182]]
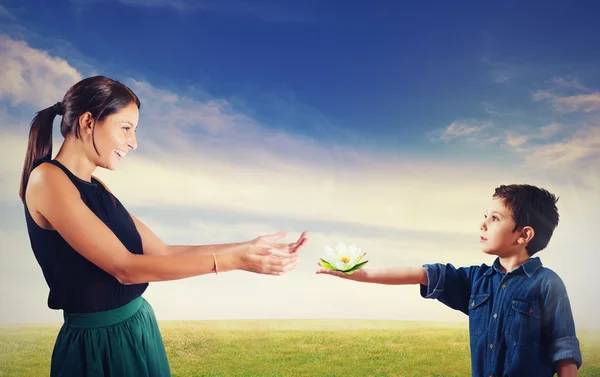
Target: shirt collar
[[529, 267]]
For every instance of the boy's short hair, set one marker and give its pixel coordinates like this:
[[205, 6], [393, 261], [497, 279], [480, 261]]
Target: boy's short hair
[[531, 206]]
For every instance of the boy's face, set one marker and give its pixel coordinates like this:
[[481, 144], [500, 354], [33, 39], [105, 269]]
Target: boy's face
[[497, 236]]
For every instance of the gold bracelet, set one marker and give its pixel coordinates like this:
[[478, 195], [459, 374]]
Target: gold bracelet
[[216, 269]]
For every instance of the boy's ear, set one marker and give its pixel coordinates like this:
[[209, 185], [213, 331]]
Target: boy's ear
[[526, 235]]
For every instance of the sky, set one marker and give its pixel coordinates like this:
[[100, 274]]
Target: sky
[[386, 126]]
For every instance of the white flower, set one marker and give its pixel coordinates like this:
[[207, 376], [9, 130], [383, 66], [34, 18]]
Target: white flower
[[344, 258]]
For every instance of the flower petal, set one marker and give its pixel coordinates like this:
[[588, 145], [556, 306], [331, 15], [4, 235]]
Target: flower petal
[[352, 250], [341, 248], [328, 251]]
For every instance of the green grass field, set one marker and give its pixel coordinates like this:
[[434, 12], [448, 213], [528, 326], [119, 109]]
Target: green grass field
[[289, 348]]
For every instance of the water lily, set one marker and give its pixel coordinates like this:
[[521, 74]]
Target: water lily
[[347, 259]]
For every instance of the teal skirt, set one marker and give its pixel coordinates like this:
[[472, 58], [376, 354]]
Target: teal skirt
[[121, 342]]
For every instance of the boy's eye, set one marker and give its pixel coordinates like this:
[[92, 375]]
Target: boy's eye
[[126, 128]]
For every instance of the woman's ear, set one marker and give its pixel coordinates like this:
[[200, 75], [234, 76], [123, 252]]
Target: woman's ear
[[86, 123]]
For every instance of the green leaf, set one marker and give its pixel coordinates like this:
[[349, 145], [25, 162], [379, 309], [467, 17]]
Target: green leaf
[[328, 266], [355, 268]]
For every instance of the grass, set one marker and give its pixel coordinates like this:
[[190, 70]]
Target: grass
[[289, 348]]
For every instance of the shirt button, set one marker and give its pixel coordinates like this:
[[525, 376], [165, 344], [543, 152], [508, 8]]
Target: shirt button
[[503, 286], [491, 346], [495, 315]]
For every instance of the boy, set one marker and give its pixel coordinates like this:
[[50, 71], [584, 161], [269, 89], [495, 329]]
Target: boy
[[520, 319]]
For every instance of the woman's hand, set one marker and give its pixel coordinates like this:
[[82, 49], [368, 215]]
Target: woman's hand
[[263, 255]]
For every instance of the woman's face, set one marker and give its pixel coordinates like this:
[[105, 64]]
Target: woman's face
[[114, 137]]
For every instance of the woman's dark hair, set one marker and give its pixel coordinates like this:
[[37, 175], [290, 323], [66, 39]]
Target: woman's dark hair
[[99, 95]]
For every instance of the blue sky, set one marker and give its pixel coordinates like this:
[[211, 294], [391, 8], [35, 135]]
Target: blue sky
[[385, 125], [389, 70]]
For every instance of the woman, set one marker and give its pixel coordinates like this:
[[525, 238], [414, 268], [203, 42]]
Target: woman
[[96, 257]]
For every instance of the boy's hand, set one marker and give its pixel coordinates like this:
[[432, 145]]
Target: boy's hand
[[358, 275]]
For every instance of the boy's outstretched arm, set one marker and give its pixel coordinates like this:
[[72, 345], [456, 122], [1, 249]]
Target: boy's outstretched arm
[[389, 276], [444, 282]]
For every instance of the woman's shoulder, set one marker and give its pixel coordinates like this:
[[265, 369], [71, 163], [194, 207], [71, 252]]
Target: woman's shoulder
[[48, 176]]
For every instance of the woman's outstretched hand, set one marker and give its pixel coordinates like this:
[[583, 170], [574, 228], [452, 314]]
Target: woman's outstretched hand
[[263, 255]]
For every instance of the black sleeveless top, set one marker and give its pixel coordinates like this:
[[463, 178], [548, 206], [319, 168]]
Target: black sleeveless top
[[77, 285]]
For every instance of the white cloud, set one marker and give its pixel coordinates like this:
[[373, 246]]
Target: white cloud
[[460, 129], [587, 103], [549, 130], [21, 65], [226, 162], [516, 140], [579, 150], [570, 148], [570, 83], [519, 138]]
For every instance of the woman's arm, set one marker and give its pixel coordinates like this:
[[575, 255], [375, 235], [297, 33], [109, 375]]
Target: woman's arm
[[52, 195], [153, 245]]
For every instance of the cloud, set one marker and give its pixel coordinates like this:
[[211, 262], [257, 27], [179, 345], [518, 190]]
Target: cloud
[[579, 147], [226, 177], [21, 65], [503, 71], [549, 130], [581, 150], [461, 130], [555, 144], [540, 134], [516, 140], [570, 83], [587, 103], [464, 130], [170, 111], [580, 99], [205, 154]]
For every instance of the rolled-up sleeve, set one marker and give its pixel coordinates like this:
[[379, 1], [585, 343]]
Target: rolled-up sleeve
[[559, 327], [449, 285]]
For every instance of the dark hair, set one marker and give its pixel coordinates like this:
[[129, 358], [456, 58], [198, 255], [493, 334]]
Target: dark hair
[[99, 95], [531, 206]]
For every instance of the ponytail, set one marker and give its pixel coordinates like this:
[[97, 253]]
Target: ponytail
[[39, 146]]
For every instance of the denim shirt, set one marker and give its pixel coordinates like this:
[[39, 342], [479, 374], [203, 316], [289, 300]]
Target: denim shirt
[[520, 323]]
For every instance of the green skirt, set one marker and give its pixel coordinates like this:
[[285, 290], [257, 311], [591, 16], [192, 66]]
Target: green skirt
[[121, 342]]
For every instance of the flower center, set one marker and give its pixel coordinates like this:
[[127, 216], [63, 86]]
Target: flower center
[[345, 259]]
